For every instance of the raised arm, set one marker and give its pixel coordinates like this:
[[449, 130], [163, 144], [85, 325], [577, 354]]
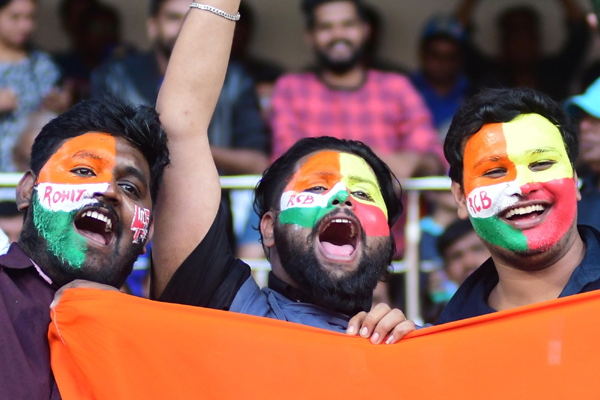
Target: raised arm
[[190, 193]]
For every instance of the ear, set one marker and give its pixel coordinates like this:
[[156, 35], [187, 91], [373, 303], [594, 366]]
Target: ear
[[461, 200], [25, 190], [267, 229], [366, 30], [576, 180], [152, 29]]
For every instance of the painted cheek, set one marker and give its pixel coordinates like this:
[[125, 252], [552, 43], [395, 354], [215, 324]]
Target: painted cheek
[[140, 224], [561, 216], [372, 219]]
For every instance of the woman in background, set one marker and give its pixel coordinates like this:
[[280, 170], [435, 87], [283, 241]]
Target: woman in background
[[28, 77]]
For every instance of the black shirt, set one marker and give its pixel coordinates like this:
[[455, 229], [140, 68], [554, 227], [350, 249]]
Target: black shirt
[[471, 298]]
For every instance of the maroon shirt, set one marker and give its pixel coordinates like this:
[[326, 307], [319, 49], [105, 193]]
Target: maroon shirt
[[25, 298]]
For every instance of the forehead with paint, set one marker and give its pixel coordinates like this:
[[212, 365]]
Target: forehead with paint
[[518, 183], [327, 179]]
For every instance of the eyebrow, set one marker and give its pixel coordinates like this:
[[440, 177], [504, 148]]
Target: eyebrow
[[360, 179], [86, 154], [542, 151], [490, 159], [129, 170]]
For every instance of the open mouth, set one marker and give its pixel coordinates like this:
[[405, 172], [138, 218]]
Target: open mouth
[[338, 238], [95, 224], [524, 215]]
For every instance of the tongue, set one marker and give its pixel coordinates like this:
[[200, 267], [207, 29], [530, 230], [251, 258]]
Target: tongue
[[344, 250], [92, 236]]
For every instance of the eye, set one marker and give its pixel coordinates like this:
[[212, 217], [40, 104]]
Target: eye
[[83, 171], [359, 194], [541, 165], [495, 173], [129, 188], [317, 189]]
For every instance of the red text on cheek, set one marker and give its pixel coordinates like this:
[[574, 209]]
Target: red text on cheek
[[140, 223]]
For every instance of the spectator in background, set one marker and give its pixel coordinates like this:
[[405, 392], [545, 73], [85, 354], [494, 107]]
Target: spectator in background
[[11, 220], [94, 32], [440, 78], [586, 107], [28, 77], [372, 58], [462, 252], [21, 153], [236, 133], [521, 62]]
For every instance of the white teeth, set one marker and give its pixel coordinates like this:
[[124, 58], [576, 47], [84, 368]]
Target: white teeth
[[524, 210], [345, 221], [108, 227], [99, 217]]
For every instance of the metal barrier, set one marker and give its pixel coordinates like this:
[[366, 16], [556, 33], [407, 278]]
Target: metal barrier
[[410, 264]]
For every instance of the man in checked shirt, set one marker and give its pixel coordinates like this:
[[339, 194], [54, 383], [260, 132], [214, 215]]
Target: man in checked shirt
[[344, 99]]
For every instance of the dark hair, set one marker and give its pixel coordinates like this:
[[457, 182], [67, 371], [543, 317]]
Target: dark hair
[[155, 6], [503, 105], [308, 8], [453, 234], [504, 20], [138, 125], [277, 176]]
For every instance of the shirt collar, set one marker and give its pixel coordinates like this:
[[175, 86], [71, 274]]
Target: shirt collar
[[16, 258], [589, 269], [296, 295]]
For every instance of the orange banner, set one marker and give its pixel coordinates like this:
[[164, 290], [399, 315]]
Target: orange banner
[[107, 345]]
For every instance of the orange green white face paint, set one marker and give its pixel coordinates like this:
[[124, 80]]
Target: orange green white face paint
[[81, 168], [330, 177], [518, 182]]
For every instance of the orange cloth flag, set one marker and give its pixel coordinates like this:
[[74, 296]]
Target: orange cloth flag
[[107, 345]]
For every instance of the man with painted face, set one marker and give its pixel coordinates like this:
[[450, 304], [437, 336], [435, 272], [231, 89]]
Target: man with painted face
[[511, 154], [87, 199]]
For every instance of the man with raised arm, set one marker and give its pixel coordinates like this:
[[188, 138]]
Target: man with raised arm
[[326, 207]]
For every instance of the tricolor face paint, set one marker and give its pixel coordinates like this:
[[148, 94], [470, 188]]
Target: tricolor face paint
[[327, 179], [66, 184], [519, 186]]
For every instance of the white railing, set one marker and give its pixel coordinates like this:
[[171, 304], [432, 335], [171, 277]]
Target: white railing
[[410, 264]]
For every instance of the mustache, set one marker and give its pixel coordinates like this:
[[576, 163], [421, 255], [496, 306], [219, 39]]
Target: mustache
[[332, 44]]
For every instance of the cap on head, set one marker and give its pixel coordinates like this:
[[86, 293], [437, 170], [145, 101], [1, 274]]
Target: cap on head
[[444, 26], [588, 102]]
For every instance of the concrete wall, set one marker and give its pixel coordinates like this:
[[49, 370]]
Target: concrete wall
[[279, 33]]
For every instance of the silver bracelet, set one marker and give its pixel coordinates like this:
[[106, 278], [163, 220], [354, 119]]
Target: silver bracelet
[[215, 10]]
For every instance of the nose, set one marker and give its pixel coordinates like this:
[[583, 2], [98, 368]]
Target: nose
[[342, 198], [530, 187], [111, 195]]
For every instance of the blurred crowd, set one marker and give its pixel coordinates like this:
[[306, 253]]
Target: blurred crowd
[[349, 92]]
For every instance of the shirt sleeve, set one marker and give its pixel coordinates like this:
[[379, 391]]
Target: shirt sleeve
[[211, 276], [285, 123], [415, 129], [47, 72]]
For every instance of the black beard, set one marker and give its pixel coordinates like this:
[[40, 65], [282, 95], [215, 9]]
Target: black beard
[[348, 295], [165, 48], [112, 270], [340, 66]]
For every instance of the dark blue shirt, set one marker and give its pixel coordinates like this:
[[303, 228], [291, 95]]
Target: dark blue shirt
[[588, 208], [471, 298], [443, 108]]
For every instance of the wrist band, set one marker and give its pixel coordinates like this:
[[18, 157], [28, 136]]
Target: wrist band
[[215, 10]]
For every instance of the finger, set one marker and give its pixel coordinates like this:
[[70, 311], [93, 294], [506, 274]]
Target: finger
[[400, 331], [386, 325], [372, 319], [355, 323]]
